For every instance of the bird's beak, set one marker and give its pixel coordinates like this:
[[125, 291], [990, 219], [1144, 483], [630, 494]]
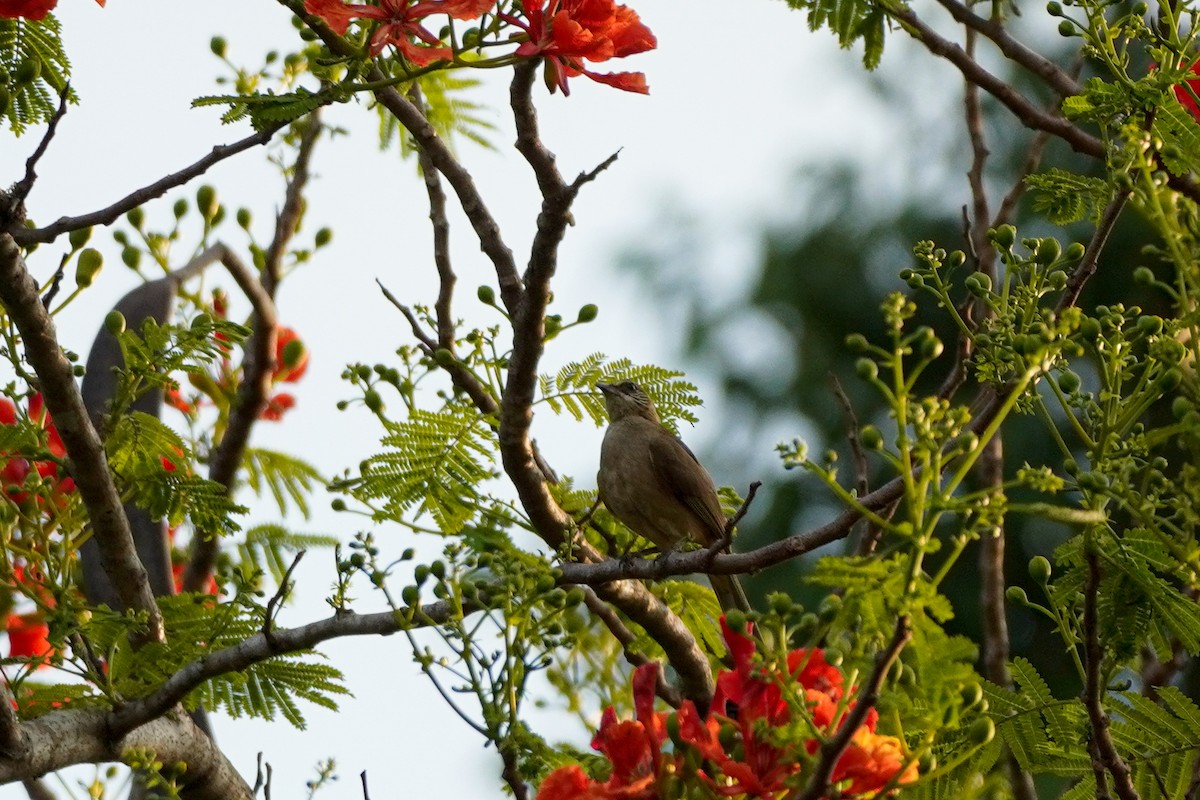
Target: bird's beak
[[605, 388]]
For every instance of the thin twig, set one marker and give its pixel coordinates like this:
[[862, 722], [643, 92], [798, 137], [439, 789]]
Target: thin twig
[[1086, 267], [104, 216], [612, 621], [37, 790], [281, 593], [1105, 750], [20, 191], [257, 366], [287, 221]]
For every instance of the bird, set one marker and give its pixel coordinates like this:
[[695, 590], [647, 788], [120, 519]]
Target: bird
[[655, 485]]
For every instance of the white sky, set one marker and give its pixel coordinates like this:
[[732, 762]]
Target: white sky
[[738, 99]]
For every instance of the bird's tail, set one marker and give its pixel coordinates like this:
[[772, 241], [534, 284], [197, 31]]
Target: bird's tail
[[729, 593]]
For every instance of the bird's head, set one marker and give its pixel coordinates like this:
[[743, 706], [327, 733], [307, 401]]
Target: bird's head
[[627, 399]]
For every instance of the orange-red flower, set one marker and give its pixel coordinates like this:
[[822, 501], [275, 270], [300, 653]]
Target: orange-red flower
[[291, 356], [771, 737], [29, 637], [569, 32], [17, 469], [400, 23], [30, 9], [276, 406], [1187, 91]]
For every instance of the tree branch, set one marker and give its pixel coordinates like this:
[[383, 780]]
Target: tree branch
[[104, 216], [88, 464]]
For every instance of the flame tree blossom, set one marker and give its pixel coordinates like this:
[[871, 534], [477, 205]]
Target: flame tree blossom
[[400, 23], [761, 734], [30, 9], [569, 32]]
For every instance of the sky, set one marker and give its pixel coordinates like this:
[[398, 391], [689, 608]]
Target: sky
[[739, 104]]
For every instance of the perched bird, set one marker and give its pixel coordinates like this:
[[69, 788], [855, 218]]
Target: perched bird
[[654, 484]]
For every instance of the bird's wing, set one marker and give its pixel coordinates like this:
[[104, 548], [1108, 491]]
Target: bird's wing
[[683, 476]]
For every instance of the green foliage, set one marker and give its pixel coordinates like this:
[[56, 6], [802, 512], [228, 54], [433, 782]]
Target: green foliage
[[850, 21], [139, 448], [1065, 197], [273, 548], [573, 389], [33, 70], [284, 476], [450, 113], [269, 109], [437, 462], [196, 626]]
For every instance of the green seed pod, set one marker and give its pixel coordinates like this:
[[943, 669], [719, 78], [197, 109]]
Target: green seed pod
[[1004, 236], [1040, 569], [588, 313], [870, 437], [982, 731], [857, 343], [206, 201], [866, 369], [27, 71], [88, 267], [486, 295], [79, 237], [1048, 251], [1068, 381], [114, 323]]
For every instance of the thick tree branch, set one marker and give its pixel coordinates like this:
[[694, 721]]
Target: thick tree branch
[[88, 464], [65, 738], [160, 187], [1028, 113]]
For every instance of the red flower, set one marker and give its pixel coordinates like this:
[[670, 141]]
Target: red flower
[[870, 762], [276, 407], [177, 574], [634, 747], [1187, 98], [400, 23], [568, 32], [16, 469], [28, 637], [30, 9], [291, 357]]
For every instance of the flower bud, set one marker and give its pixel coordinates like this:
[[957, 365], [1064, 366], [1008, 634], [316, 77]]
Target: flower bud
[[1068, 381], [79, 237], [88, 267], [180, 208], [1040, 569], [1005, 236], [244, 218], [114, 323], [1066, 28], [324, 237], [206, 201], [1074, 251], [1016, 595], [588, 313], [866, 369], [982, 731], [27, 71], [218, 46], [373, 401], [136, 217], [486, 295], [131, 256]]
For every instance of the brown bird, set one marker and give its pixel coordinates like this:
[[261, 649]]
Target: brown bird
[[654, 484]]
